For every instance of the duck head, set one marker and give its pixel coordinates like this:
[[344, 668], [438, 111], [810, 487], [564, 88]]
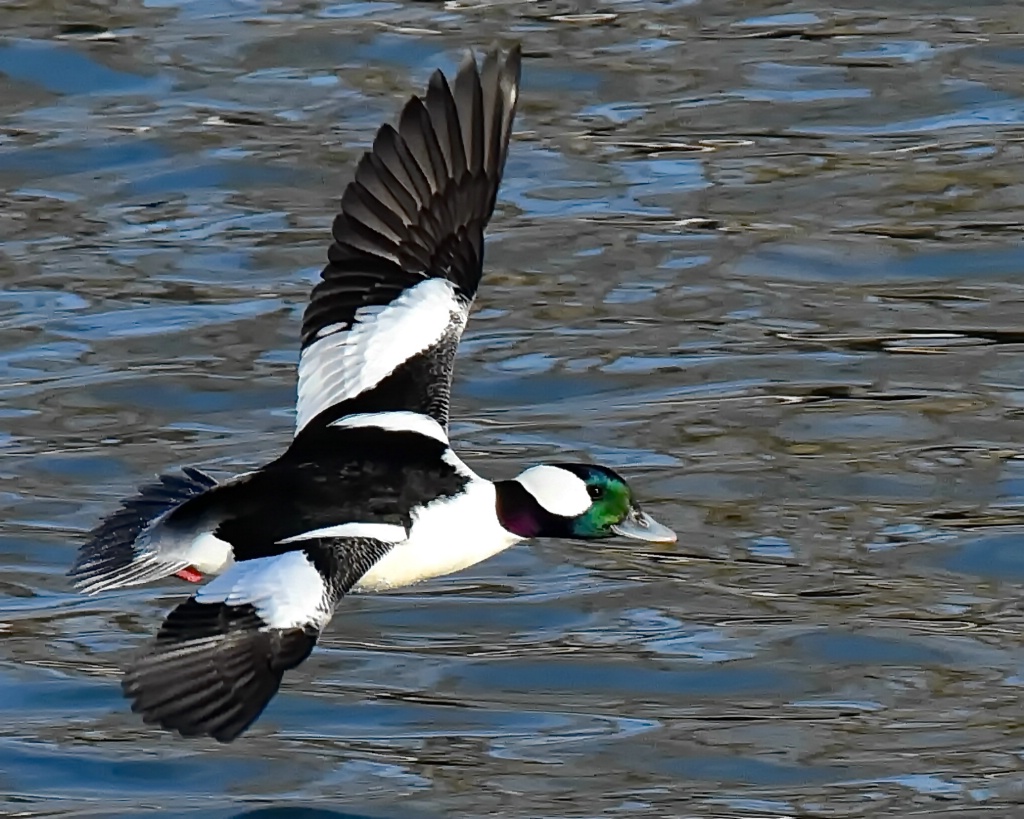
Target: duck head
[[575, 501]]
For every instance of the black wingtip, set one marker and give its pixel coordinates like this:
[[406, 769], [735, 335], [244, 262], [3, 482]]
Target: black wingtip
[[212, 670], [423, 195], [109, 552]]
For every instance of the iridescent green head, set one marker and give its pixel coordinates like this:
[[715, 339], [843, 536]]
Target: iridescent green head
[[575, 500]]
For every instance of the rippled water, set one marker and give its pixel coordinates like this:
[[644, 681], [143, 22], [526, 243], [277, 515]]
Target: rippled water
[[764, 256]]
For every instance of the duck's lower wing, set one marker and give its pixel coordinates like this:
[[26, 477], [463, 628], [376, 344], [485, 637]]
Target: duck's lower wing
[[218, 659]]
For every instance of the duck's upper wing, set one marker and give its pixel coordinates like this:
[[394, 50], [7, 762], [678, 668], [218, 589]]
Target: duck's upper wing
[[219, 657], [382, 327]]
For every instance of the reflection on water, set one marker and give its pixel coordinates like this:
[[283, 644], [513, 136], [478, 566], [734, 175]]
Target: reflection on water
[[766, 258]]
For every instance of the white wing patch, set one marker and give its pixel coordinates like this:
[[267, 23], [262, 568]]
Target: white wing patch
[[287, 590], [386, 532], [398, 421], [345, 361]]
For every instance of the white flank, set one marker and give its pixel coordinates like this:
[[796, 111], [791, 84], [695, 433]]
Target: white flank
[[202, 549], [400, 421], [341, 364], [287, 590], [209, 554], [557, 490], [387, 532], [446, 536]]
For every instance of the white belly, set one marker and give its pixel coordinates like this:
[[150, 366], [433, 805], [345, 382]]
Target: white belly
[[446, 536]]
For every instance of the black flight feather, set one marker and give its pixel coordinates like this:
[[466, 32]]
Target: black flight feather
[[213, 667], [417, 210]]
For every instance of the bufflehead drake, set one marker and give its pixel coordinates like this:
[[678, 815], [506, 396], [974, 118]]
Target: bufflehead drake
[[369, 495]]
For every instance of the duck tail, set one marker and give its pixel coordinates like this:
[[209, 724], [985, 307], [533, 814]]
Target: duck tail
[[110, 558]]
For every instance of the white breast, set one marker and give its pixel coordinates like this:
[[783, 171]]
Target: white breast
[[446, 536]]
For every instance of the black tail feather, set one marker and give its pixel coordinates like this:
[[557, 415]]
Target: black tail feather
[[110, 548]]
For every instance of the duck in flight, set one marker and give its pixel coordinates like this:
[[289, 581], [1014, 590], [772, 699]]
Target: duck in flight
[[369, 495]]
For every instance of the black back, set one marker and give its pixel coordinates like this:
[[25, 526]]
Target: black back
[[329, 476]]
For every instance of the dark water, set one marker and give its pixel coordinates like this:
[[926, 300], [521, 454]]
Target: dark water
[[764, 256]]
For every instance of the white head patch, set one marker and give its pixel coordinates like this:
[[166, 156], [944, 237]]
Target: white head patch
[[558, 490]]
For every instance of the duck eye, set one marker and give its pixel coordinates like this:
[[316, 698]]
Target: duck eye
[[595, 492]]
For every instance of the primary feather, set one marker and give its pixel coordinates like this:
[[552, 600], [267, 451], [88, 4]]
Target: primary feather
[[219, 657]]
